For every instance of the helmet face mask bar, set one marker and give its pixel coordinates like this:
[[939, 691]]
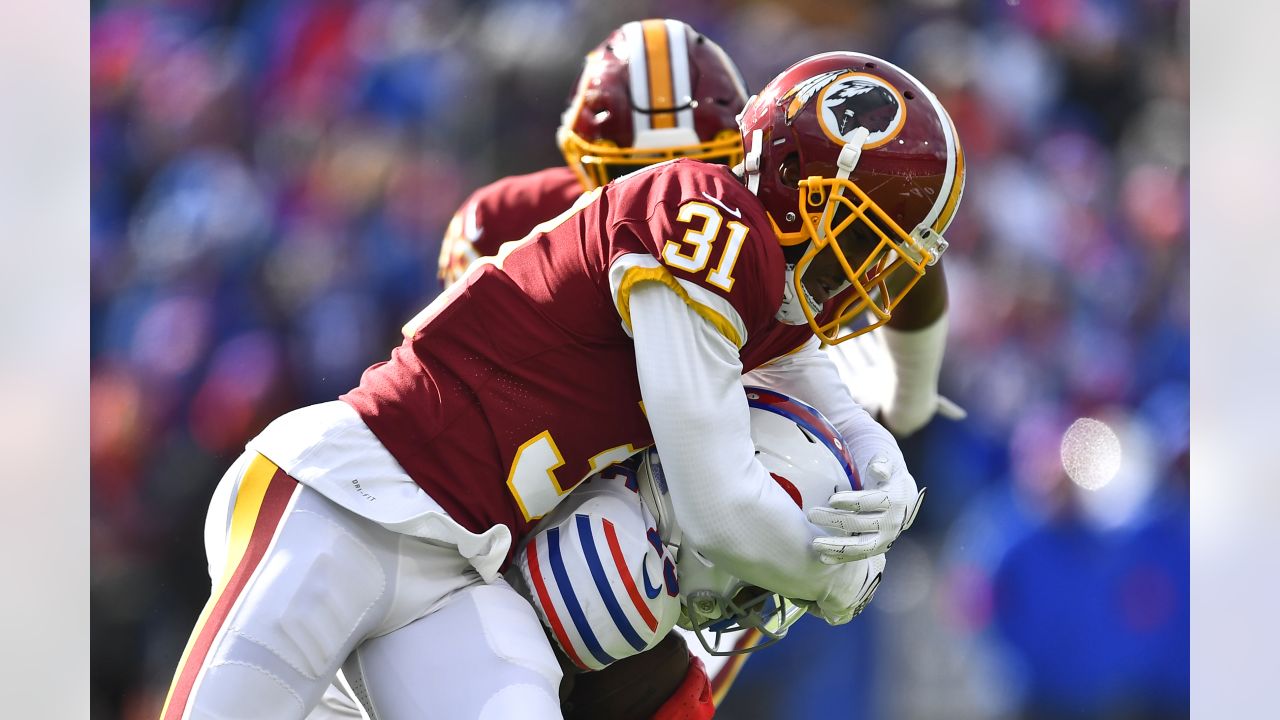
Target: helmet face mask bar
[[888, 270], [711, 616], [598, 163]]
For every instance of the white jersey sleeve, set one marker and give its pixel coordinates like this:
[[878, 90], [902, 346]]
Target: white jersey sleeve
[[725, 503], [810, 375]]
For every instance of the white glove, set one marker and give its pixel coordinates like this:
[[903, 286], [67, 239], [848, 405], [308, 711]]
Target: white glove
[[869, 520], [851, 597]]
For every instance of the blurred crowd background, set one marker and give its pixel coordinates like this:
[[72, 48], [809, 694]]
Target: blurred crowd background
[[271, 180]]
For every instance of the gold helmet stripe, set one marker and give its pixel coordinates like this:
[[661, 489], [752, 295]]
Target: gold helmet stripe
[[661, 90], [954, 192]]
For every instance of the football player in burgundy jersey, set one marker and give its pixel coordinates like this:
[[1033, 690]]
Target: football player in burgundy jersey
[[613, 125], [625, 322], [603, 136]]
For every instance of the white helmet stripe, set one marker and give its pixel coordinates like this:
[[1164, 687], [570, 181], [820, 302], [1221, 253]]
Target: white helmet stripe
[[638, 64], [677, 41], [948, 132], [944, 191]]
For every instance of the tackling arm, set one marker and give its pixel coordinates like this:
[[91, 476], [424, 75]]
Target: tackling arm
[[725, 503]]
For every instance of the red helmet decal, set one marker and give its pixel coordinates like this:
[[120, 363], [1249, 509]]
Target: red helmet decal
[[791, 489]]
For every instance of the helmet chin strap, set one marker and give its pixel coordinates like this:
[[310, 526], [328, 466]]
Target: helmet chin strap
[[751, 160], [848, 159]]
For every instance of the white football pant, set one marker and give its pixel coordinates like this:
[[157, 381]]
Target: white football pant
[[302, 586]]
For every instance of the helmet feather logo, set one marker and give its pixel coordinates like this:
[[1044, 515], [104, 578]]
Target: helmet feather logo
[[853, 100], [800, 94]]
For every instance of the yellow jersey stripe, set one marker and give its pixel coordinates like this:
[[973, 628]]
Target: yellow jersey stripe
[[660, 274]]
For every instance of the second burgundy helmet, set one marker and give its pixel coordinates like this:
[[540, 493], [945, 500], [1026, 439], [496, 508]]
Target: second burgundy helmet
[[654, 90], [849, 146]]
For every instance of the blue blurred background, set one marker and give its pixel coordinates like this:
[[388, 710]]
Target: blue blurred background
[[271, 179]]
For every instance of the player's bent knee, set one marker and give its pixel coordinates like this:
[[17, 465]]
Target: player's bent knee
[[513, 631], [243, 691], [312, 602]]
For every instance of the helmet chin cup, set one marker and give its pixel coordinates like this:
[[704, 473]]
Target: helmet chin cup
[[715, 604]]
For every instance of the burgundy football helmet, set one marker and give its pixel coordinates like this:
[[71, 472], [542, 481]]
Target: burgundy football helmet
[[654, 90], [849, 146]]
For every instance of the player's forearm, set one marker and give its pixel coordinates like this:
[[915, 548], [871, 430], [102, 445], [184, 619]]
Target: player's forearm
[[917, 359], [811, 376], [726, 504]]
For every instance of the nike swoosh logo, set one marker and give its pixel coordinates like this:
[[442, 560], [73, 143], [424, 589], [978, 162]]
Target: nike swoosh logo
[[650, 591], [717, 201]]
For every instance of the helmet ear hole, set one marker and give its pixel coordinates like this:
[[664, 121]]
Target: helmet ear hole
[[789, 171]]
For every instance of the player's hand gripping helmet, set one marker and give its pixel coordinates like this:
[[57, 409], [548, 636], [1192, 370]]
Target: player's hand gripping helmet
[[654, 90], [848, 146], [806, 456]]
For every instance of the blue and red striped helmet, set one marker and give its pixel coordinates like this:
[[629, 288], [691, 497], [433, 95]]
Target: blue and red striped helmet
[[609, 575], [603, 583]]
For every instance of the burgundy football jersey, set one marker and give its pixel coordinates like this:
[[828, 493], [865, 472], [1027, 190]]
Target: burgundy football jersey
[[503, 211], [519, 381]]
